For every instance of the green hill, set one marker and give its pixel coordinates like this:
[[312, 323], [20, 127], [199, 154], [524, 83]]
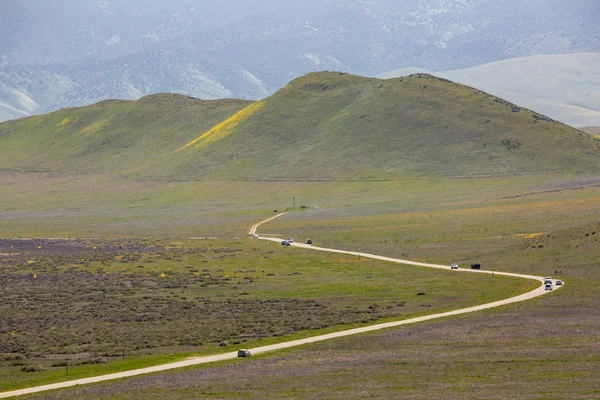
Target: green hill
[[113, 136], [320, 126]]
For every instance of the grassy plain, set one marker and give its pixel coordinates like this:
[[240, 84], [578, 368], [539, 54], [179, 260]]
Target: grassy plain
[[517, 224], [70, 304], [546, 348]]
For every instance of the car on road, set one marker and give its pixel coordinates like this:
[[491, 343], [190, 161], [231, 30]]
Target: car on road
[[558, 282], [475, 266], [308, 241], [285, 243], [548, 286], [454, 266], [243, 353], [254, 235], [547, 280]]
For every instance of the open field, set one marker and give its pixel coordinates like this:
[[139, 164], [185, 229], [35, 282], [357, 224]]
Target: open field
[[522, 351], [518, 225], [40, 205], [81, 302]]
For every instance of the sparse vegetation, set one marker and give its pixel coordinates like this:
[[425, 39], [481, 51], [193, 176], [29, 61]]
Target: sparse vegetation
[[89, 300]]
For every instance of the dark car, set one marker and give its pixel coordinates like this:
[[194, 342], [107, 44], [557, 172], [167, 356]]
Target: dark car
[[243, 353], [285, 243], [308, 241], [475, 266]]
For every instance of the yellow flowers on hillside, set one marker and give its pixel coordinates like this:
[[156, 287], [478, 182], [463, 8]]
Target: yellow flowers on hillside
[[93, 127], [530, 235], [224, 128], [64, 122]]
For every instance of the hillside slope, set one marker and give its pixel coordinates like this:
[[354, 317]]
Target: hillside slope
[[565, 87], [320, 126], [110, 137]]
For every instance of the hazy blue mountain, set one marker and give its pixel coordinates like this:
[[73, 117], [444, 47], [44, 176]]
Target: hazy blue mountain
[[64, 51]]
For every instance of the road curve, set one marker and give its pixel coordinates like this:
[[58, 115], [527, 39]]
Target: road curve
[[263, 349]]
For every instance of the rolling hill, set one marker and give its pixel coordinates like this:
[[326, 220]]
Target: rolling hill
[[320, 126], [565, 87]]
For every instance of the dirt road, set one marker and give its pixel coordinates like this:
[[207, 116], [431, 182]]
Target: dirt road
[[258, 350]]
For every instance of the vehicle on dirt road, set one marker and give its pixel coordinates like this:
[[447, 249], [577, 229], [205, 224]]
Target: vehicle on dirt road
[[548, 286], [243, 353], [454, 266], [285, 243], [558, 282], [308, 241], [475, 266]]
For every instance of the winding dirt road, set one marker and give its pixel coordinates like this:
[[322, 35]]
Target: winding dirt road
[[259, 350]]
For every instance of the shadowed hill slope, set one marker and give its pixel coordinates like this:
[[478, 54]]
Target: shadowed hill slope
[[320, 126]]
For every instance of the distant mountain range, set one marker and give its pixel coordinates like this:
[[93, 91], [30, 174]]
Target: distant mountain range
[[566, 87], [321, 126], [58, 53]]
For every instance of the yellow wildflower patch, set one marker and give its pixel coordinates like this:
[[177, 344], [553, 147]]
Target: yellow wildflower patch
[[530, 235], [64, 122], [94, 127], [224, 128]]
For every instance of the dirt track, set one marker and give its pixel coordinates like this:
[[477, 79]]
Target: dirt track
[[258, 350]]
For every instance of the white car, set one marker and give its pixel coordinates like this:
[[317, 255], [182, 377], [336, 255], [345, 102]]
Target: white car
[[454, 266], [548, 286], [254, 235], [243, 353]]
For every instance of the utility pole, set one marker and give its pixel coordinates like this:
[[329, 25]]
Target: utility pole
[[294, 202]]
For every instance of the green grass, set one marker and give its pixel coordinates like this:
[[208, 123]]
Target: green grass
[[75, 301], [322, 126], [116, 137], [535, 345]]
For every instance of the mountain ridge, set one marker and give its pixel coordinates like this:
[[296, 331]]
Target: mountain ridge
[[320, 126], [567, 86]]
